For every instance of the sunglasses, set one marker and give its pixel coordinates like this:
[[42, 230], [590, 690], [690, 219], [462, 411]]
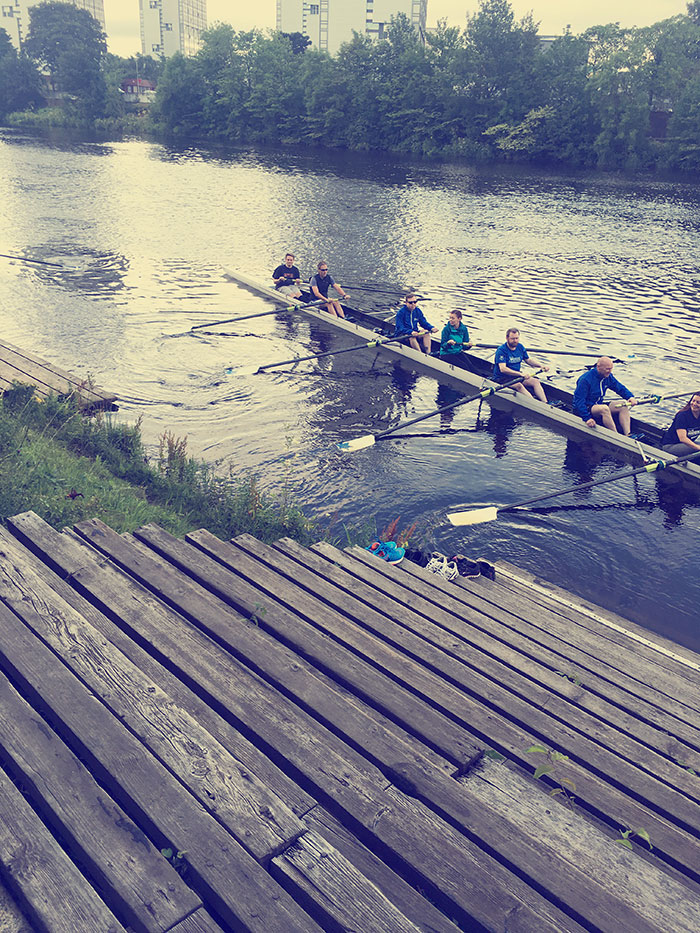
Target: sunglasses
[[411, 302]]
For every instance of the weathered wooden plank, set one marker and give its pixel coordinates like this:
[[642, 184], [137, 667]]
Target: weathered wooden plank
[[622, 656], [71, 556], [322, 879], [543, 631], [520, 672], [19, 365], [42, 876], [359, 790], [602, 794], [409, 901], [647, 664], [220, 870], [136, 881], [374, 735], [602, 621], [663, 899], [552, 721], [259, 820], [198, 922], [448, 739]]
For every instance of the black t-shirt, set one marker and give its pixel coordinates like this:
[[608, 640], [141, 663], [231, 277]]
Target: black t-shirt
[[289, 274], [684, 419]]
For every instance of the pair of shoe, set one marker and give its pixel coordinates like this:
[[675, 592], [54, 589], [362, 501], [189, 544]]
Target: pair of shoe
[[439, 564], [467, 567], [387, 551]]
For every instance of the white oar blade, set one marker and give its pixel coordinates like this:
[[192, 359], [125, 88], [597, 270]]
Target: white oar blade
[[359, 443], [475, 517]]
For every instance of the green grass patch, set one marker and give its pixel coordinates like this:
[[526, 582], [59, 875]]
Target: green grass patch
[[67, 467]]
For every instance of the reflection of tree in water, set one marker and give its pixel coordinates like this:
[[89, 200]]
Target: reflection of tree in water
[[582, 462], [500, 425], [447, 396], [674, 495]]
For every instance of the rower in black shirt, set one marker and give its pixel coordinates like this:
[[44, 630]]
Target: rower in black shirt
[[287, 278]]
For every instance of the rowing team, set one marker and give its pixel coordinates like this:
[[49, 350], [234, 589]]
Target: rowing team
[[591, 388]]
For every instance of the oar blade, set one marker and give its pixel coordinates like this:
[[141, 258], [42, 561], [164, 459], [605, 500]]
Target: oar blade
[[474, 517], [242, 370], [358, 443]]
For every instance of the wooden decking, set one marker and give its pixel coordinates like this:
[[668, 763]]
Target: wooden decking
[[19, 366], [321, 741]]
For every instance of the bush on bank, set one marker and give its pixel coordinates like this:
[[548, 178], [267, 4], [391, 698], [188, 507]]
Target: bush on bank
[[67, 467]]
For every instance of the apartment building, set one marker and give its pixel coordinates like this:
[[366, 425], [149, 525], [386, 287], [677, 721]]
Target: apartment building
[[169, 26], [14, 16], [329, 23]]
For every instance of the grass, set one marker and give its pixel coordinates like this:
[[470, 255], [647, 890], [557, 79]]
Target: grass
[[67, 467]]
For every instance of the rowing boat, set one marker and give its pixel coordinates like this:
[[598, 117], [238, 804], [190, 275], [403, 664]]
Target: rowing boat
[[469, 371]]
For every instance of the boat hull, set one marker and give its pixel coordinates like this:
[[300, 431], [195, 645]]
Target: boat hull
[[474, 373]]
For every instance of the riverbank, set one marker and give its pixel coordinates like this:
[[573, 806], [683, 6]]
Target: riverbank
[[67, 467]]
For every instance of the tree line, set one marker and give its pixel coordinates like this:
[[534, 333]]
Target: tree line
[[609, 98]]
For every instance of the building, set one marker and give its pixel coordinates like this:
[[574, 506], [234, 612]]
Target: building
[[329, 23], [169, 26], [14, 16]]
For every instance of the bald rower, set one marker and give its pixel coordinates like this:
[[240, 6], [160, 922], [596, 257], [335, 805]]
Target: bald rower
[[589, 398]]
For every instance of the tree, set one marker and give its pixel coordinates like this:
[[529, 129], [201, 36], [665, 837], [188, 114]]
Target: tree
[[69, 43], [298, 41], [19, 79]]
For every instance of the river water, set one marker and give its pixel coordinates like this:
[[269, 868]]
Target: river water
[[588, 262]]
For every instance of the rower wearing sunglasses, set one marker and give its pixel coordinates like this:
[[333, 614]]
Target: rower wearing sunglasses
[[411, 323]]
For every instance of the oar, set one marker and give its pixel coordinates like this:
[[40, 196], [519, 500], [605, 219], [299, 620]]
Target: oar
[[651, 399], [495, 346], [254, 370], [246, 317], [41, 262], [369, 439], [491, 512]]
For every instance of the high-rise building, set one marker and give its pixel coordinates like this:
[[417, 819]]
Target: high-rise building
[[14, 16], [329, 23], [169, 26]]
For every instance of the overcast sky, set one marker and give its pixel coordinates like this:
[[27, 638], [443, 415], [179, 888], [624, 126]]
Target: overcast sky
[[553, 15]]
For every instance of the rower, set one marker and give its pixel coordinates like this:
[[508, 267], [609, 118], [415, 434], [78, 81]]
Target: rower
[[454, 337], [287, 278], [320, 284], [589, 398], [676, 440], [508, 360], [410, 322]]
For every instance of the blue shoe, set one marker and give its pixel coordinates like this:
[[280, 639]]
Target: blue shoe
[[390, 552]]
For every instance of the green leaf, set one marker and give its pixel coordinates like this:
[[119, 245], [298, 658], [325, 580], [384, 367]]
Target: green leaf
[[624, 842], [543, 769], [536, 749], [569, 783], [555, 791], [494, 755], [643, 834], [166, 853], [559, 756]]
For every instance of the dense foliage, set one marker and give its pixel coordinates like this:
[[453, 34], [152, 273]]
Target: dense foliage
[[611, 98]]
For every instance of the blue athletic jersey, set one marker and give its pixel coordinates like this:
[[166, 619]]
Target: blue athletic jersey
[[512, 358]]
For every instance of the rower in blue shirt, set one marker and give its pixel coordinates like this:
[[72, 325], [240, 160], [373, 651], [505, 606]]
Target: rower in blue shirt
[[589, 398], [410, 322], [508, 360]]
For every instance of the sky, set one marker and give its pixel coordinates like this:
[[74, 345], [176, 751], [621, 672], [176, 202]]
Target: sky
[[123, 38]]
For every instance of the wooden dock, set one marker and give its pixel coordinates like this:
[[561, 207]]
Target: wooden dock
[[19, 366], [199, 736]]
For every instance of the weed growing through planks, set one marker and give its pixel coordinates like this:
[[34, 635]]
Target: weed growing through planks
[[628, 834], [686, 767], [258, 614], [551, 766], [177, 860], [571, 677]]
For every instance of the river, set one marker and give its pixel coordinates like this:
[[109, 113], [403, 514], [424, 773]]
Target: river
[[585, 261]]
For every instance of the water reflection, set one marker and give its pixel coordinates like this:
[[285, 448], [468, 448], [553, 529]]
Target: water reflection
[[580, 261]]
